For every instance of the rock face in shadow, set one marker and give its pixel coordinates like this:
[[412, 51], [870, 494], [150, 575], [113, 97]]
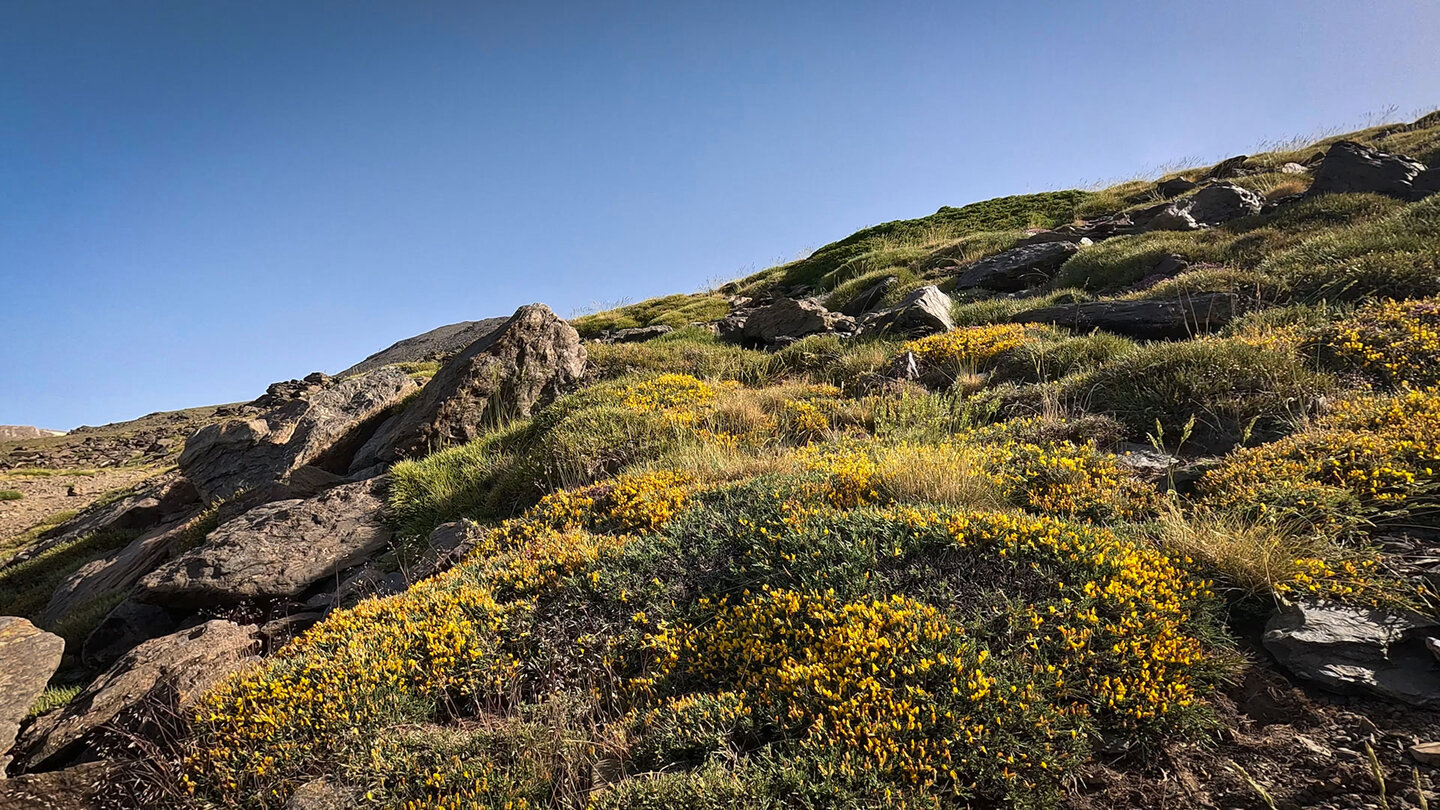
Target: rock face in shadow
[[786, 320], [1356, 649], [1350, 167], [1156, 320], [28, 657], [276, 550], [114, 573], [1017, 268], [1212, 205], [147, 685], [321, 429], [503, 376]]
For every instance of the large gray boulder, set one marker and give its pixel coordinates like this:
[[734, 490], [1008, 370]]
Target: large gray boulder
[[1212, 205], [1018, 268], [503, 376], [1170, 319], [924, 311], [1350, 167], [275, 551], [1357, 649], [787, 319], [159, 678], [28, 657], [322, 429]]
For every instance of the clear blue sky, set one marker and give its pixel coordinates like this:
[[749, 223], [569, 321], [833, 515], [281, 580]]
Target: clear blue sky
[[200, 197]]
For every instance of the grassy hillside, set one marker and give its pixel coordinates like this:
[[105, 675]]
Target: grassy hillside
[[716, 577]]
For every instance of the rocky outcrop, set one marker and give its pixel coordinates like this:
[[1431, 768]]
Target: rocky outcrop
[[1018, 268], [322, 429], [869, 298], [1350, 168], [922, 312], [439, 343], [149, 684], [28, 657], [1357, 649], [276, 550], [1171, 319], [1174, 187], [118, 572], [130, 624], [636, 334], [1426, 183], [787, 319], [504, 375], [1212, 205]]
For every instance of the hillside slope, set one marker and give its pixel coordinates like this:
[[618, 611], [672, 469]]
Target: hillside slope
[[1110, 499]]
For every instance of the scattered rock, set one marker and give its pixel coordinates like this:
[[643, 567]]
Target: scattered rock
[[1155, 320], [789, 319], [1426, 753], [1174, 187], [448, 545], [504, 375], [322, 794], [636, 334], [276, 550], [146, 686], [924, 311], [28, 657], [1215, 204], [1350, 167], [1146, 463], [1356, 649], [1017, 268], [322, 429], [1294, 168], [79, 788]]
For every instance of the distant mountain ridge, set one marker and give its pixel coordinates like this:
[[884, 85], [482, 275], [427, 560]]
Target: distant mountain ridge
[[27, 432]]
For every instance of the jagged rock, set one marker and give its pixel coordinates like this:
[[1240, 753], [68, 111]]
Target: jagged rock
[[79, 788], [731, 328], [28, 657], [924, 311], [1227, 168], [1350, 167], [1426, 753], [437, 344], [636, 334], [1155, 320], [1212, 205], [117, 572], [787, 318], [1174, 187], [160, 677], [322, 429], [1356, 649], [1017, 268], [276, 550], [869, 298], [503, 376], [1294, 168], [1146, 463], [129, 625]]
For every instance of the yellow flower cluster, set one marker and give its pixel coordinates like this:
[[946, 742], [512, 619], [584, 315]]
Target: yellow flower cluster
[[641, 502], [667, 392], [967, 348], [1396, 341], [1368, 460]]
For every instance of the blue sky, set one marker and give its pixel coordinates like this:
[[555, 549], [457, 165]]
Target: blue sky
[[199, 198]]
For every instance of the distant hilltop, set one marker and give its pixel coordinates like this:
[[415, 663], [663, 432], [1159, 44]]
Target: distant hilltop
[[27, 432]]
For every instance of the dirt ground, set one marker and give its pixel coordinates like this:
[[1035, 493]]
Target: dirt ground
[[46, 495]]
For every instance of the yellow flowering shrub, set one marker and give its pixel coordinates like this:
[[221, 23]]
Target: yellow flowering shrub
[[1369, 460], [642, 502], [967, 348], [667, 392], [1397, 342]]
